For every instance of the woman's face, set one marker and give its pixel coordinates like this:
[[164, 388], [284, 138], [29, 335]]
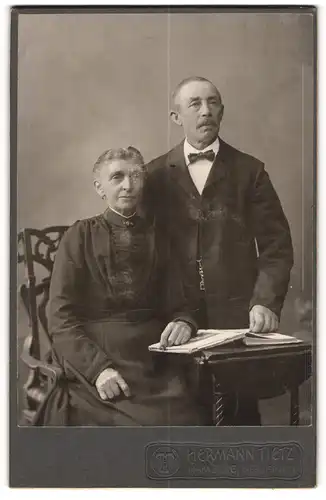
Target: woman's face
[[121, 181]]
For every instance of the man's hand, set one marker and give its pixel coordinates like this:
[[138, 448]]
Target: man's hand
[[262, 320], [175, 333], [109, 384]]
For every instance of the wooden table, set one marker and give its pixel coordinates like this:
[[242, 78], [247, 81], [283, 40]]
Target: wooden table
[[260, 372]]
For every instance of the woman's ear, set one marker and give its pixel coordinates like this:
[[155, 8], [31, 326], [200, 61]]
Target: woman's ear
[[175, 117], [99, 189]]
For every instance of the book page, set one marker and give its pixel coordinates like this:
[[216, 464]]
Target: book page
[[270, 336], [203, 340], [223, 332]]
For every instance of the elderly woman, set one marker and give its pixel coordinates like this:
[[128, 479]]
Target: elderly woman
[[108, 303]]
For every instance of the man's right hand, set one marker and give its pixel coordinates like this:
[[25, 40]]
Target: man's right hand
[[262, 320], [109, 384]]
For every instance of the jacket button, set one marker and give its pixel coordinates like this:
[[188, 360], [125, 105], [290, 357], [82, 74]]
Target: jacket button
[[202, 215]]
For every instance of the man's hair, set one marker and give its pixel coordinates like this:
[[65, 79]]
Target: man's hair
[[129, 153], [185, 81]]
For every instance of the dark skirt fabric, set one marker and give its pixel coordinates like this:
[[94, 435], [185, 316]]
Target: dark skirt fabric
[[160, 395]]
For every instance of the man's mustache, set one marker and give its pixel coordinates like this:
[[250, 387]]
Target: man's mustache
[[206, 122]]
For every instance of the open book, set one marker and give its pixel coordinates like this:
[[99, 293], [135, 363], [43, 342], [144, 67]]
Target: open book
[[206, 339], [272, 338]]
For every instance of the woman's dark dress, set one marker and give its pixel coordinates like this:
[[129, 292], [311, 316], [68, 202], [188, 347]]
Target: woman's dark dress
[[106, 307]]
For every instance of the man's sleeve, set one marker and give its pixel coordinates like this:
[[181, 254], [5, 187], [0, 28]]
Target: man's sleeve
[[272, 233], [65, 309]]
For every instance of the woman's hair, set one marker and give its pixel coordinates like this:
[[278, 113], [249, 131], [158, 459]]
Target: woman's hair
[[129, 153]]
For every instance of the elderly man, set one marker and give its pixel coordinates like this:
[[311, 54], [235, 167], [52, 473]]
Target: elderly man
[[218, 207]]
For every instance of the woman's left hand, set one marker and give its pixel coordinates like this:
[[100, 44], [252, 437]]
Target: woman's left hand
[[175, 333]]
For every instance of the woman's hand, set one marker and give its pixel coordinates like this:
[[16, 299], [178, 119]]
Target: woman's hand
[[175, 333], [109, 384]]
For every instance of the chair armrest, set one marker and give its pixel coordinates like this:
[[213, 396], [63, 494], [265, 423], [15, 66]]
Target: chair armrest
[[54, 372]]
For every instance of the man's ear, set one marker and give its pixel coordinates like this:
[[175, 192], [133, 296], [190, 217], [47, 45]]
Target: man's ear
[[222, 112], [175, 117], [98, 188]]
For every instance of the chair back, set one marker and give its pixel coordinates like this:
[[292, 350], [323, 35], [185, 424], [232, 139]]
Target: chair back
[[36, 251]]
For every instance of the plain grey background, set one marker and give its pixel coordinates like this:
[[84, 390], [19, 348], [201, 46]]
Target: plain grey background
[[88, 82]]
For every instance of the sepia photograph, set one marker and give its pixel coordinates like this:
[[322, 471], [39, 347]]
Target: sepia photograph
[[163, 162]]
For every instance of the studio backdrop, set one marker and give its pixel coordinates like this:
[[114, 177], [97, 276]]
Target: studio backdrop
[[93, 81]]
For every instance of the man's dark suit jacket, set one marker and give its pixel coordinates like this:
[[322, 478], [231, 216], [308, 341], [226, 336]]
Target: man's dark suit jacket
[[238, 209]]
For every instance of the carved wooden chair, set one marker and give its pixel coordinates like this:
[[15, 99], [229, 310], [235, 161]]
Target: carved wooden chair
[[36, 250]]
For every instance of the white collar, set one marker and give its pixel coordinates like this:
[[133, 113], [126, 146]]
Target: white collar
[[121, 215], [188, 148]]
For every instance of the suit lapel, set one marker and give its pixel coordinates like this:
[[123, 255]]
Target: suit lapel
[[220, 184], [219, 170], [179, 171], [219, 174]]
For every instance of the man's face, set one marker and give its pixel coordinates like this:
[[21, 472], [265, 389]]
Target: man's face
[[121, 181], [199, 110]]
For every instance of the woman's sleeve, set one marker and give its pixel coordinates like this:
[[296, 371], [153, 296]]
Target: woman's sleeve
[[174, 304], [65, 308]]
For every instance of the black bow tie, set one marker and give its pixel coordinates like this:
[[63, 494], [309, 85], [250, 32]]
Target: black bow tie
[[207, 155]]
